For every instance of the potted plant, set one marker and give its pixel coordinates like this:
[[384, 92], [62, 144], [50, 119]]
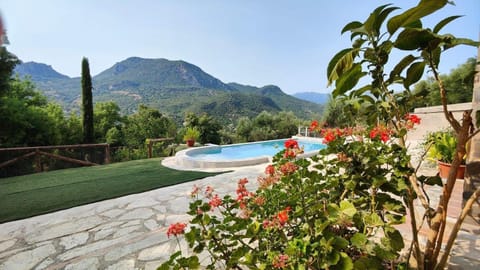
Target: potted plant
[[442, 145], [191, 135]]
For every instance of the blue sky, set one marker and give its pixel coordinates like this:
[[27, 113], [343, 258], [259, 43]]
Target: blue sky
[[254, 42]]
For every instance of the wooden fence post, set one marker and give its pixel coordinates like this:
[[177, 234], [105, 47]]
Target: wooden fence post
[[107, 154], [150, 146], [38, 161]]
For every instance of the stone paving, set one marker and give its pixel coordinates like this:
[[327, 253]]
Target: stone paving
[[130, 232], [123, 233]]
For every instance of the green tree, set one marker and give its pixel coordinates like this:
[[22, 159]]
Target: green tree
[[8, 61], [208, 126], [24, 120], [243, 129], [458, 85], [106, 116], [87, 103], [147, 123]]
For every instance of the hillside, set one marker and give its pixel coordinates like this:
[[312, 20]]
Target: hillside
[[173, 87]]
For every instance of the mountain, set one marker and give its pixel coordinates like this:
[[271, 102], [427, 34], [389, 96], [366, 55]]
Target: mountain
[[38, 72], [319, 98], [158, 73], [173, 87]]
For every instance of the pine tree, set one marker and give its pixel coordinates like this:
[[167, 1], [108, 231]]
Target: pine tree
[[87, 103]]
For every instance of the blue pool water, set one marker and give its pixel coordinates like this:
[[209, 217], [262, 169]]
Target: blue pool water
[[250, 150]]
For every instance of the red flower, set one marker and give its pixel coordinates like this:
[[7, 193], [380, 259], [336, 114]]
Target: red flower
[[289, 153], [243, 181], [381, 131], [329, 135], [259, 201], [288, 168], [291, 144], [313, 125], [270, 170], [413, 118], [176, 229], [282, 216], [215, 202], [280, 261]]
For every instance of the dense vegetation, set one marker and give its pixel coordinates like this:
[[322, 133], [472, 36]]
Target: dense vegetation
[[458, 85], [173, 87], [343, 111]]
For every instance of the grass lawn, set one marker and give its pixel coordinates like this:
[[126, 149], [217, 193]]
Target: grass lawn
[[35, 194]]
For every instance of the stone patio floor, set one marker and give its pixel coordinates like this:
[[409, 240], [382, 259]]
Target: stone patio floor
[[130, 232]]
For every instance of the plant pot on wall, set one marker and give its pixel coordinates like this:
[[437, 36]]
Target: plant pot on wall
[[190, 143], [444, 169]]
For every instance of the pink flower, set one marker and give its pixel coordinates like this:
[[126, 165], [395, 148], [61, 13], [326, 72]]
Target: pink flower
[[208, 191], [270, 170], [195, 191], [280, 261], [176, 229], [215, 202], [288, 168]]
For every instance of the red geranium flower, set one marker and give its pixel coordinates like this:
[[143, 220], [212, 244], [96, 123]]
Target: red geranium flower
[[288, 168], [328, 136], [215, 202], [313, 125], [289, 153], [381, 131], [270, 170], [282, 216], [291, 144], [280, 261], [176, 229]]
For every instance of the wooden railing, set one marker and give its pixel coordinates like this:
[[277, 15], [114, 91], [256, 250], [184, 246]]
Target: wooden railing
[[152, 141], [38, 151]]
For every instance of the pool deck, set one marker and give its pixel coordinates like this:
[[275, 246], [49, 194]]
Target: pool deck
[[130, 232]]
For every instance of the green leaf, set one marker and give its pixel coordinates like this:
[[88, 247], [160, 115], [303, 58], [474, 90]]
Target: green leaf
[[367, 263], [340, 63], [348, 80], [381, 18], [461, 41], [414, 74], [351, 25], [413, 39], [371, 21], [434, 180], [398, 69], [424, 8], [347, 208], [358, 240], [340, 242], [373, 220], [444, 22], [345, 262]]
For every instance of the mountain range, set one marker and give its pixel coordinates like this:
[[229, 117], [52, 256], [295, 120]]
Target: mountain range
[[172, 87]]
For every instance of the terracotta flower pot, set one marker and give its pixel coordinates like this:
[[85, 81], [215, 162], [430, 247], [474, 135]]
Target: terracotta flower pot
[[444, 169], [190, 143]]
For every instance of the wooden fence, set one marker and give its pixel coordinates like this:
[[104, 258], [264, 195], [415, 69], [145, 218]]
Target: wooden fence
[[38, 151]]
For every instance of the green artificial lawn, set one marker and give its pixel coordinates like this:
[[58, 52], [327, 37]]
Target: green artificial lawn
[[35, 194]]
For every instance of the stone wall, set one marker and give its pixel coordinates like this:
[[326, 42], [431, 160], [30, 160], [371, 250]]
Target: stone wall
[[433, 119]]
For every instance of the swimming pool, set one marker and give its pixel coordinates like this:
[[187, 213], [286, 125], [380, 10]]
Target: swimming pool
[[241, 154]]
